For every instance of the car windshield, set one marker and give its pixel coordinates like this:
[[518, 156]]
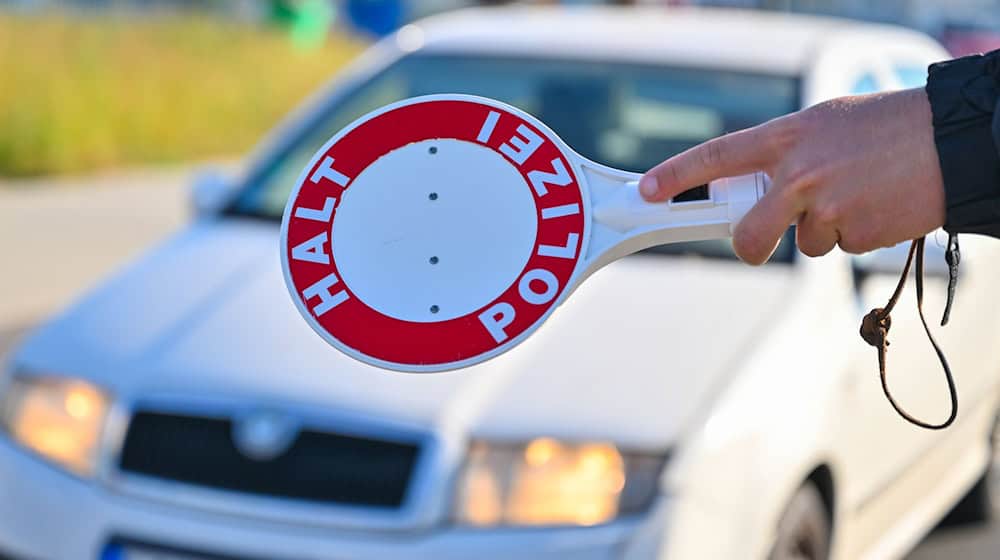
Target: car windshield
[[629, 116]]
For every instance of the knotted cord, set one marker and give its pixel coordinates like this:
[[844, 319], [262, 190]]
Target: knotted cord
[[875, 327]]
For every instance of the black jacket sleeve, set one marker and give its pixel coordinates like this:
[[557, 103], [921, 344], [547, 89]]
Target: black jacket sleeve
[[965, 103]]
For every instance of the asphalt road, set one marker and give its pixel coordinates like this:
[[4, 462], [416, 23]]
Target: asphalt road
[[59, 238]]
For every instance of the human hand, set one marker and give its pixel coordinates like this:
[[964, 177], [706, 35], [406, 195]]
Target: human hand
[[860, 172]]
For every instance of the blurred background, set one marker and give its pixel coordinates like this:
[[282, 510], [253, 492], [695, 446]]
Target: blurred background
[[111, 109], [93, 85]]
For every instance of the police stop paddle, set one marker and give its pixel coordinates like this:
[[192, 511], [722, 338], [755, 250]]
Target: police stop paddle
[[441, 231]]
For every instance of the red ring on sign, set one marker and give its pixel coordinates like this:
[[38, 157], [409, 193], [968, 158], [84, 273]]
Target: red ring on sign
[[419, 344]]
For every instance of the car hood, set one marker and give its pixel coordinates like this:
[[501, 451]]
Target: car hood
[[631, 356]]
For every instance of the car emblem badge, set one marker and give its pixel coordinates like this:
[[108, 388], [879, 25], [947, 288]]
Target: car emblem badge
[[264, 435], [440, 231]]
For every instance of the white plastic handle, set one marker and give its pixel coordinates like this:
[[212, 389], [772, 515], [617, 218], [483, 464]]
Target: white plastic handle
[[728, 200], [624, 223]]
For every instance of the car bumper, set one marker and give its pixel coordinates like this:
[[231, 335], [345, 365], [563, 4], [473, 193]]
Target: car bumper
[[47, 514]]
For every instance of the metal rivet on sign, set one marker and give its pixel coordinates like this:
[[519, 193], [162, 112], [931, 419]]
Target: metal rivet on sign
[[433, 196], [434, 260], [434, 309], [433, 149]]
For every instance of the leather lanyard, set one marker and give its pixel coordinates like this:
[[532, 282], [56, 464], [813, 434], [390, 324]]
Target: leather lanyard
[[875, 326]]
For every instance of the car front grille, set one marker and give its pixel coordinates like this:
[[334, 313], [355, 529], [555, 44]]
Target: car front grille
[[317, 466]]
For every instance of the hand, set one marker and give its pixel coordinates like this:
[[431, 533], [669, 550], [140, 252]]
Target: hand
[[859, 172]]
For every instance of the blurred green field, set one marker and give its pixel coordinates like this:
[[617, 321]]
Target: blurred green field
[[85, 93]]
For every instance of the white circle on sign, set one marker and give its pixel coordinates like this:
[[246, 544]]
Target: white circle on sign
[[452, 231]]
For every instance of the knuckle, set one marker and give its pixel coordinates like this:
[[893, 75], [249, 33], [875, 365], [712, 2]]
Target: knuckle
[[712, 156], [784, 133], [812, 246], [857, 242], [747, 242], [801, 178], [821, 111], [797, 126], [673, 176], [849, 246], [812, 250], [806, 241], [827, 215]]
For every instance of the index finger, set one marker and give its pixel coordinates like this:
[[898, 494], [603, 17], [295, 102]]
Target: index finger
[[736, 153]]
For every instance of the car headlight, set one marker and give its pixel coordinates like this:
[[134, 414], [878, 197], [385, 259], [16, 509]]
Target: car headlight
[[547, 482], [60, 419]]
